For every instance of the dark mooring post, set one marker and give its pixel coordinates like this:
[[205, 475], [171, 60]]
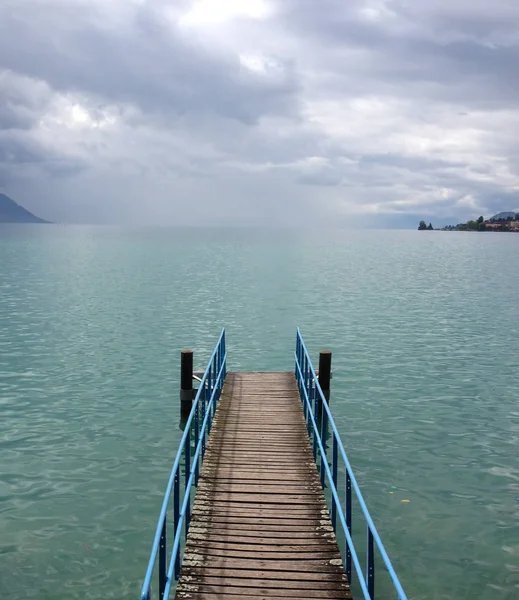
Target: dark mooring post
[[325, 372], [186, 382]]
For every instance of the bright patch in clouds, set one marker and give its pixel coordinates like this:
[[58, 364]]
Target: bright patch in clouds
[[213, 12], [263, 66], [79, 114], [253, 63]]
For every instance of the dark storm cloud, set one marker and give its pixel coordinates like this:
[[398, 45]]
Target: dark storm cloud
[[15, 116], [147, 61], [21, 101], [460, 56], [19, 152]]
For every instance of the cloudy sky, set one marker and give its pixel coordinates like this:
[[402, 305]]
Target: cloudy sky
[[350, 112]]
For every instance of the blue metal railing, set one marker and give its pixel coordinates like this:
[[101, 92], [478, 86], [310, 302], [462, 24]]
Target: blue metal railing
[[197, 425], [319, 420]]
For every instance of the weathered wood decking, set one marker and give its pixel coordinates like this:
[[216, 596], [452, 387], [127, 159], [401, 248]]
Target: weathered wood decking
[[260, 527]]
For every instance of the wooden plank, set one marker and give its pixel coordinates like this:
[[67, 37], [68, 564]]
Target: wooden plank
[[278, 566], [265, 582], [258, 465], [208, 504], [265, 500], [254, 487], [246, 546], [260, 526], [260, 478], [226, 536], [259, 473], [235, 533], [256, 499], [181, 595], [260, 461], [269, 555], [268, 455], [228, 441], [277, 577], [253, 525], [272, 520], [220, 591], [262, 511], [266, 516], [237, 436]]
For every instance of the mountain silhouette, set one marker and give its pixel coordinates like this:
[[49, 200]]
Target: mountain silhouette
[[11, 212]]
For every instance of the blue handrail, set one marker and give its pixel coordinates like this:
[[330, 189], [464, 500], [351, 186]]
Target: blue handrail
[[315, 406], [204, 408]]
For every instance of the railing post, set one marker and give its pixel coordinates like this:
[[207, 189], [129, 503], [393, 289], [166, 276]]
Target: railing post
[[317, 402], [209, 381], [224, 350], [203, 397], [315, 432], [335, 459], [297, 355], [162, 561], [305, 374], [187, 451], [324, 431], [218, 367], [348, 525], [370, 567], [176, 516], [215, 390], [203, 430], [308, 415], [197, 435], [186, 382]]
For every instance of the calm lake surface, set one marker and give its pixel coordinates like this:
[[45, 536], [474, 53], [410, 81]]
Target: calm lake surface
[[424, 329]]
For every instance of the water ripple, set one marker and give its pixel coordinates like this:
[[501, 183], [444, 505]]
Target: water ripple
[[425, 390]]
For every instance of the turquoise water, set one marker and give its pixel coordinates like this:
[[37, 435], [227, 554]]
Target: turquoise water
[[424, 329]]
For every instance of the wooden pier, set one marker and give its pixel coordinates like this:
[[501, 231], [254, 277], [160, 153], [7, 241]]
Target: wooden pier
[[260, 526], [247, 515]]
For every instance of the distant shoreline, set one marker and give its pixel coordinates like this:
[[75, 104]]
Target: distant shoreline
[[503, 222]]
